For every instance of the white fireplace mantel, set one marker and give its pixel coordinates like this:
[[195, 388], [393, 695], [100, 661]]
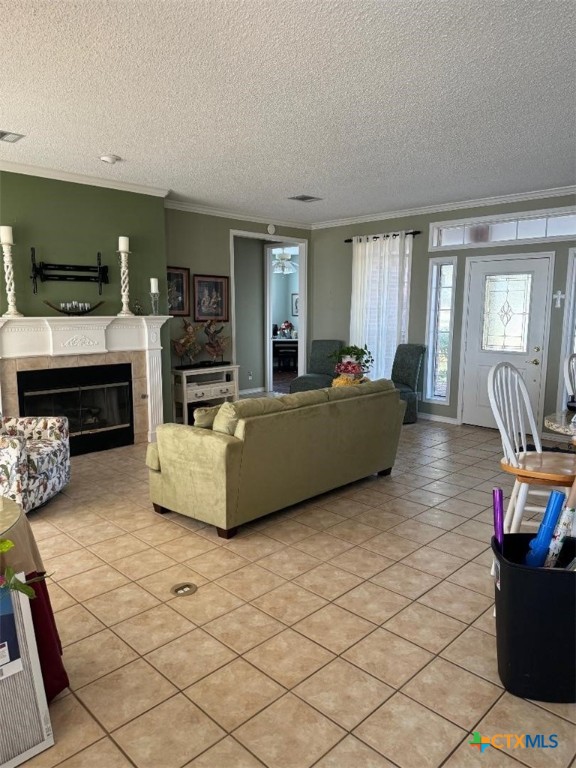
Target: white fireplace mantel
[[52, 336], [71, 335]]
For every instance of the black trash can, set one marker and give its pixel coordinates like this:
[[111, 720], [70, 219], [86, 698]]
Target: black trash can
[[535, 622]]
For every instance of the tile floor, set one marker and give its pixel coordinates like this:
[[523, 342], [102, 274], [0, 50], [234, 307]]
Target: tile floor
[[352, 631]]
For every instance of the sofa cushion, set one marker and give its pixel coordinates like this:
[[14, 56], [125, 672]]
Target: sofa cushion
[[368, 388], [299, 399], [342, 393], [204, 417], [230, 413]]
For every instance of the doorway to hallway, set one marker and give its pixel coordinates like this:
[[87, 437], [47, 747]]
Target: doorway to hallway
[[260, 324]]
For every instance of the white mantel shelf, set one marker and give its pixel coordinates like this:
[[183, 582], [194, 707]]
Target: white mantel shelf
[[56, 337], [73, 335]]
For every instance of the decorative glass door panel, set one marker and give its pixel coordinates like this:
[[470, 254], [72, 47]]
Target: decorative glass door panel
[[506, 312]]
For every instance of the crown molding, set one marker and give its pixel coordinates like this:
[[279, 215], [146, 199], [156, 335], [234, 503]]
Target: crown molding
[[76, 178], [177, 205], [516, 198]]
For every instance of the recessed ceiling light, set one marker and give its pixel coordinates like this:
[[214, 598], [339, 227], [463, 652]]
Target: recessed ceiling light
[[110, 159], [305, 198], [10, 137]]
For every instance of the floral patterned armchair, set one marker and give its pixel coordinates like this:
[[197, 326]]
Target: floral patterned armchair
[[34, 459]]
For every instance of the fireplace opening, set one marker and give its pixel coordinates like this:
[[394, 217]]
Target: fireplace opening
[[96, 400]]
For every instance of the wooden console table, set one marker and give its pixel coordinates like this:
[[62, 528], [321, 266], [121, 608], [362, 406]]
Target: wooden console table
[[198, 385]]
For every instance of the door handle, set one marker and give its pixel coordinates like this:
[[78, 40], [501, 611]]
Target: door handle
[[533, 362]]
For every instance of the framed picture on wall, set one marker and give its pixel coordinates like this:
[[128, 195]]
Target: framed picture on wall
[[294, 305], [210, 298], [178, 291]]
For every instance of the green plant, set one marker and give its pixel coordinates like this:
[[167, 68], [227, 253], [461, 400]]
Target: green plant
[[9, 580], [362, 355]]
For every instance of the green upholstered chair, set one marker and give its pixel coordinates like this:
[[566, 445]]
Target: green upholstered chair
[[405, 373], [320, 366]]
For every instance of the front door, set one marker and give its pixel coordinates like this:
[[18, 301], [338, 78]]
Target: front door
[[507, 320]]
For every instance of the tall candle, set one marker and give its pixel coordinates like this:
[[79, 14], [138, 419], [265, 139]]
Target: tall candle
[[6, 236], [153, 285], [124, 244]]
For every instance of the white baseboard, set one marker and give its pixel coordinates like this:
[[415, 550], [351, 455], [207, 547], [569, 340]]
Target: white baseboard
[[434, 417], [251, 391]]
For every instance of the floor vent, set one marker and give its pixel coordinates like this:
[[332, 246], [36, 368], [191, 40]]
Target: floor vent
[[183, 590]]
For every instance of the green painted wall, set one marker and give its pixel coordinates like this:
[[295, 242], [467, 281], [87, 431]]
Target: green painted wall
[[69, 223], [249, 283], [330, 283], [202, 243]]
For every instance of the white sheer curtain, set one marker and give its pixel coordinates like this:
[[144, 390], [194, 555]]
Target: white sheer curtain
[[381, 296]]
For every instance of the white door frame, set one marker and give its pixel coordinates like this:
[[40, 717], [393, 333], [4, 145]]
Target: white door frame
[[302, 301], [465, 311], [567, 325]]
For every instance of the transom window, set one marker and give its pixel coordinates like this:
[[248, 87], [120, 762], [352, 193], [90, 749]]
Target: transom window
[[529, 227]]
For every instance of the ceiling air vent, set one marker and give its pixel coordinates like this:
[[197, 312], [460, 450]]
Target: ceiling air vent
[[11, 138], [305, 198]]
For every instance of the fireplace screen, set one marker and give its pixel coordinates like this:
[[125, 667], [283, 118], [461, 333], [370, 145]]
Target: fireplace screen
[[97, 401], [88, 409]]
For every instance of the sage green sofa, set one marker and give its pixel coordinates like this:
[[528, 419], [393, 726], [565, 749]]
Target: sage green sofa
[[255, 456]]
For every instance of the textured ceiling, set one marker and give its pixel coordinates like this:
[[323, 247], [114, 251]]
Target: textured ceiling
[[373, 105]]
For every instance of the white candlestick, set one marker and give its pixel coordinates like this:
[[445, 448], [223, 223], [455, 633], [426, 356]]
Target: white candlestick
[[124, 281], [9, 278], [6, 236], [153, 285], [124, 244]]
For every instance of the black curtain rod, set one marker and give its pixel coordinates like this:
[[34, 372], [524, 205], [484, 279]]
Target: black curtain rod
[[412, 232]]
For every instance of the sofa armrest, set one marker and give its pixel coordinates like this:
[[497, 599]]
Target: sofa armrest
[[37, 427], [198, 473], [192, 447], [152, 457]]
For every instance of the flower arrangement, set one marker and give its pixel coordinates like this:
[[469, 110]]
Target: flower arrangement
[[359, 359], [286, 329], [350, 367], [189, 347]]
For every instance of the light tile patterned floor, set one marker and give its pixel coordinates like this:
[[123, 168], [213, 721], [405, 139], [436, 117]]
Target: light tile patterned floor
[[352, 631]]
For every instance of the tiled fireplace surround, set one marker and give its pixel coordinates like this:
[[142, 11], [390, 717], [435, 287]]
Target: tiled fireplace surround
[[64, 342]]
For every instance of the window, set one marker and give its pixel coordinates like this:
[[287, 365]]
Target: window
[[441, 289], [380, 296], [528, 227]]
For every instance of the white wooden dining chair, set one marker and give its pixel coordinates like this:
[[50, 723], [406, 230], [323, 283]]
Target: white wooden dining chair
[[570, 374], [535, 472]]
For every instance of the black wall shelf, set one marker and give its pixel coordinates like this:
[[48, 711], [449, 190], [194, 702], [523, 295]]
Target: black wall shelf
[[63, 272]]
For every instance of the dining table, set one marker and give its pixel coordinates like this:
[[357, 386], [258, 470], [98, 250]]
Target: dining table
[[563, 422]]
